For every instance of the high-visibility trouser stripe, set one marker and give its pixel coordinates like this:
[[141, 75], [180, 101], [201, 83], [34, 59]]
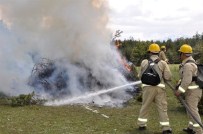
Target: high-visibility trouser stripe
[[142, 120], [196, 125], [193, 87], [190, 123], [160, 85], [164, 123], [181, 89]]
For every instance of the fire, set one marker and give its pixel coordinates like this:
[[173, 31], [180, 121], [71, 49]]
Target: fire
[[1, 13], [98, 3], [3, 18], [47, 22]]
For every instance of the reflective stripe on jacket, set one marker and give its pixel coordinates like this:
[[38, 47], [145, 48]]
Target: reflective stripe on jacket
[[186, 72]]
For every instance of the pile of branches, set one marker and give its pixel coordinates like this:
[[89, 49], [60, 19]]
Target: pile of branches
[[53, 80], [46, 76], [42, 78]]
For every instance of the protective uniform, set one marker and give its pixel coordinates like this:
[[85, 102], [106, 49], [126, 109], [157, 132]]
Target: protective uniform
[[162, 54], [156, 94], [187, 86]]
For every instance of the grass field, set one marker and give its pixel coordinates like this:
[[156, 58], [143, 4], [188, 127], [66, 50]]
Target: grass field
[[80, 120]]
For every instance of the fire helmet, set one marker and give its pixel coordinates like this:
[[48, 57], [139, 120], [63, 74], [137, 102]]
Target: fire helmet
[[154, 48], [185, 48], [163, 47]]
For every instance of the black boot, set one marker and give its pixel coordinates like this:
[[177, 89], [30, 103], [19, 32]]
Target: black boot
[[167, 132], [189, 130], [142, 128]]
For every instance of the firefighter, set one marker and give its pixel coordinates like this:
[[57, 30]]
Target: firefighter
[[162, 54], [188, 87], [156, 94]]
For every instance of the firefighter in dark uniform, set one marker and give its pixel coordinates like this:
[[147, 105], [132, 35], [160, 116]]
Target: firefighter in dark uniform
[[156, 94], [188, 87]]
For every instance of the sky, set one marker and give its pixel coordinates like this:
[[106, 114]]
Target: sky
[[156, 19]]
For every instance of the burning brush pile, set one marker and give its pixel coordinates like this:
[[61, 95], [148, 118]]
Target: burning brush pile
[[41, 78], [53, 80]]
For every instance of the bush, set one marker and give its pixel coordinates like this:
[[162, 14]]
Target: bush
[[24, 99]]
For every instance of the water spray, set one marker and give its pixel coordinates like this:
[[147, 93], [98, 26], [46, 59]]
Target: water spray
[[68, 101]]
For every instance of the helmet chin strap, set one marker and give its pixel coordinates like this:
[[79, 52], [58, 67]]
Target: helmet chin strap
[[188, 55], [185, 55]]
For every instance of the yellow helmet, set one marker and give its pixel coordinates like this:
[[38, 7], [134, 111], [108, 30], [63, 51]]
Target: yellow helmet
[[185, 48], [154, 48], [163, 47]]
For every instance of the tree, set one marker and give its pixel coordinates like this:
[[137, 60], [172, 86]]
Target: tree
[[198, 52], [139, 53], [136, 50]]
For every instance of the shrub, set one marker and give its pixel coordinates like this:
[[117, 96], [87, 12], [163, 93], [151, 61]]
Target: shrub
[[24, 99]]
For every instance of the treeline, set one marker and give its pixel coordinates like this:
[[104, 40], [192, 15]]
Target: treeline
[[136, 50]]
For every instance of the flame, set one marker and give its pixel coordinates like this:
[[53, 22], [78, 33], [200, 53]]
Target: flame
[[3, 18], [1, 13], [98, 3], [47, 22]]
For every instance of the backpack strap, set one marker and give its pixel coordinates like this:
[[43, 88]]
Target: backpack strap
[[149, 61], [191, 61], [194, 78], [156, 61]]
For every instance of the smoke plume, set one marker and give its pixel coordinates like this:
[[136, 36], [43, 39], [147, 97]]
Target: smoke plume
[[69, 31]]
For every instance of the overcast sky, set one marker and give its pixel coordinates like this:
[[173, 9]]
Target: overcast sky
[[156, 19]]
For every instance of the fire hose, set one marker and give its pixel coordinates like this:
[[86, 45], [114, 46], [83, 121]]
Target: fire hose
[[185, 105]]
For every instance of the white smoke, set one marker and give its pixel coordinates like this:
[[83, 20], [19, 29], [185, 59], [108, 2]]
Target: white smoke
[[74, 30]]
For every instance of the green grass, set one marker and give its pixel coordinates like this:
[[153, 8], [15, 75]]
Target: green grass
[[79, 120]]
